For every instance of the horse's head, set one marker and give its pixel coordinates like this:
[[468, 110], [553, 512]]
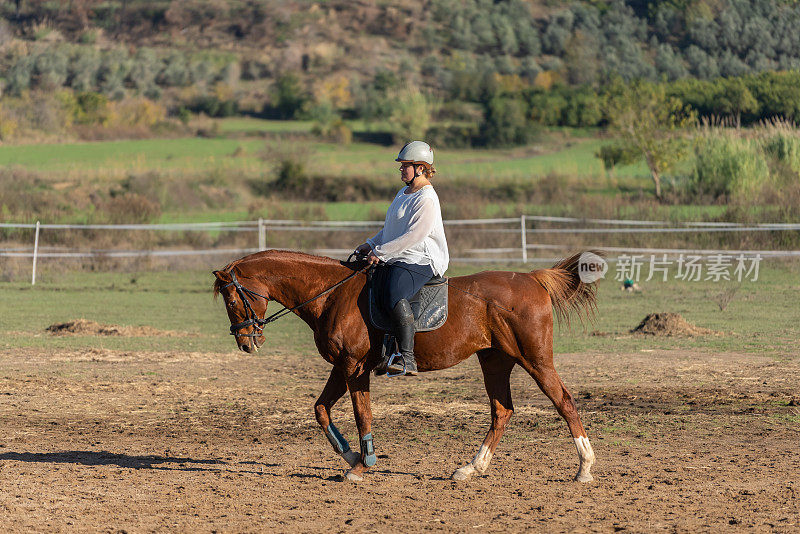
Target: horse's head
[[246, 309]]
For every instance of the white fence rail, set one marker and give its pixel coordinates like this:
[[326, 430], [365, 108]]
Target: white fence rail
[[263, 226]]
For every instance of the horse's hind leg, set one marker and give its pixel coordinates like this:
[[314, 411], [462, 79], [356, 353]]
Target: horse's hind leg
[[540, 367], [333, 391], [496, 367]]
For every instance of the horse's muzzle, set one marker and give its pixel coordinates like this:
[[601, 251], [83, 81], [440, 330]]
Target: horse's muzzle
[[252, 344]]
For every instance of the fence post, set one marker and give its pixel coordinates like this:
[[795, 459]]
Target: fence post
[[524, 239], [35, 254], [262, 235]]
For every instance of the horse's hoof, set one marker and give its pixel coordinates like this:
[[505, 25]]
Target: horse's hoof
[[584, 477], [352, 477], [352, 458], [461, 474]]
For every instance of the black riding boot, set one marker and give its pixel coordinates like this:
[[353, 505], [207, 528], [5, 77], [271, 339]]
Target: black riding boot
[[403, 322]]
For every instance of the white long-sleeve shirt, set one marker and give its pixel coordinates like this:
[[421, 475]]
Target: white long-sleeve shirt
[[413, 231]]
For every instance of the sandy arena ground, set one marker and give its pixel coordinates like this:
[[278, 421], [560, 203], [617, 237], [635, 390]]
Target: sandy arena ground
[[115, 441]]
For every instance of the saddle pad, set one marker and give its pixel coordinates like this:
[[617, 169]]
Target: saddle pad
[[429, 304]]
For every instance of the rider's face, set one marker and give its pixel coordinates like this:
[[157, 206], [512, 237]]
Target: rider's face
[[407, 172]]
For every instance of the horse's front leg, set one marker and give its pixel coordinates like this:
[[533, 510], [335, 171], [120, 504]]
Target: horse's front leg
[[333, 391], [359, 394]]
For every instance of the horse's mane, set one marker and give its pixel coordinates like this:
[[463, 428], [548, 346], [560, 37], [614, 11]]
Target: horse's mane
[[269, 255]]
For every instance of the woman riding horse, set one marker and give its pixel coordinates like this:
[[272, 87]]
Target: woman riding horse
[[506, 318], [413, 245]]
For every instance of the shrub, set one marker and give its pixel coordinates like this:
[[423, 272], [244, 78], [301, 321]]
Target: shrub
[[254, 69], [617, 154], [288, 96], [8, 125], [505, 123], [202, 71], [49, 70], [453, 136], [546, 107], [175, 72], [89, 37], [149, 186], [291, 175], [184, 114], [583, 108], [328, 124], [18, 77], [728, 166], [213, 106], [784, 146], [137, 112], [288, 164], [129, 208], [410, 116], [82, 70], [144, 70], [44, 112], [114, 69]]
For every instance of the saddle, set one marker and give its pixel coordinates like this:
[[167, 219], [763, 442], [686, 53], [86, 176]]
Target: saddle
[[429, 304]]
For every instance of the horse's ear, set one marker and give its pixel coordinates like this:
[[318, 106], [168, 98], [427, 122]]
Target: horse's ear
[[221, 275]]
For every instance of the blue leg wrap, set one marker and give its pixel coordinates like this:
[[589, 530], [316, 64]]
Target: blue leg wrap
[[340, 444], [368, 451]]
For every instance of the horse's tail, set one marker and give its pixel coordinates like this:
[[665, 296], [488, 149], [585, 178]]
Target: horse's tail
[[567, 292]]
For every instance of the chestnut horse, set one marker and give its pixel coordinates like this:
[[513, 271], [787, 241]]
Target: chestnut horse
[[504, 317]]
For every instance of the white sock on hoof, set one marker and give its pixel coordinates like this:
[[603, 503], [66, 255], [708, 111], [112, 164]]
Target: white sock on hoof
[[479, 464], [463, 473], [352, 477], [586, 455]]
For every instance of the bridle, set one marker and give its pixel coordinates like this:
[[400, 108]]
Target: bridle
[[259, 324], [252, 318]]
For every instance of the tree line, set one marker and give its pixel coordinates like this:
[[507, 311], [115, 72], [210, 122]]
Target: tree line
[[453, 41]]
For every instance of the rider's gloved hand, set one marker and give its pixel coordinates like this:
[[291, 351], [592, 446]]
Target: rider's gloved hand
[[363, 249]]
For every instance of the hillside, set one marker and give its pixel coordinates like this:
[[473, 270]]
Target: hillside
[[442, 44]]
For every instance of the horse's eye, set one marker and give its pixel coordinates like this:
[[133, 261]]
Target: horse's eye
[[232, 304]]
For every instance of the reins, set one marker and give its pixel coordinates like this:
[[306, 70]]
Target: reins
[[259, 324]]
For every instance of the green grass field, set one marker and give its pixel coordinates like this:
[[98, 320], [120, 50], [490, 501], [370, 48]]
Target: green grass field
[[760, 318], [334, 211], [111, 159], [239, 157]]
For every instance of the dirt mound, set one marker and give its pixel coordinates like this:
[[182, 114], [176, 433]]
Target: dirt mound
[[670, 324], [83, 327]]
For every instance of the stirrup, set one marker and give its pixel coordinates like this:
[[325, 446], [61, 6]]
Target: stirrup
[[391, 362]]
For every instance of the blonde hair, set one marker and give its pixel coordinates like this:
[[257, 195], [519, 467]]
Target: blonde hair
[[430, 170]]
